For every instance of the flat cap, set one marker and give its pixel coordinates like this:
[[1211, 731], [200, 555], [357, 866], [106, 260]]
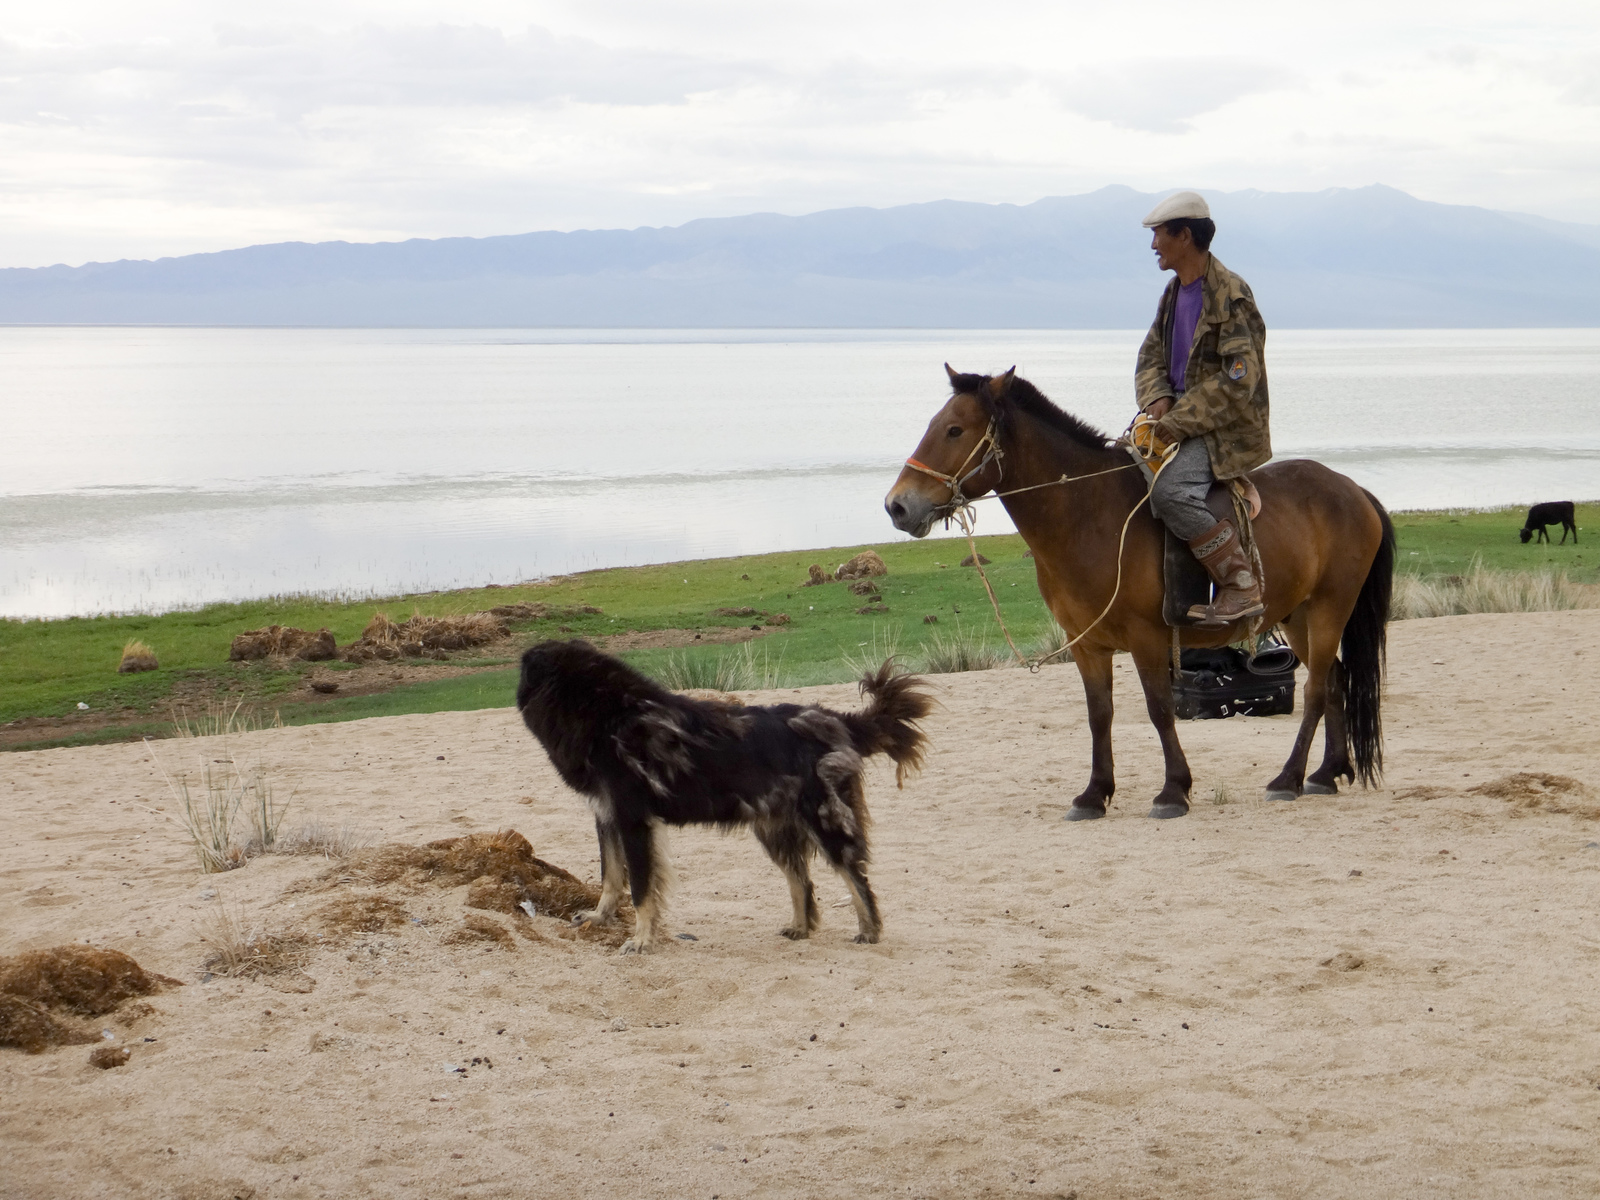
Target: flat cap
[[1176, 206]]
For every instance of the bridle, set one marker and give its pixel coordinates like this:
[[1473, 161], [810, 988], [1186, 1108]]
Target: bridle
[[960, 509], [958, 499]]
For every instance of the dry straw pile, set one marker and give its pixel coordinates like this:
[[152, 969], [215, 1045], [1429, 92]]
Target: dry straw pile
[[419, 635]]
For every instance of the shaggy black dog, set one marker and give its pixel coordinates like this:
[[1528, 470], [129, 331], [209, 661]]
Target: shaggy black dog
[[645, 757]]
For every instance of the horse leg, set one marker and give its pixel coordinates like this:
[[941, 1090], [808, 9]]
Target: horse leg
[[1155, 673], [1094, 665], [1314, 636], [1324, 781]]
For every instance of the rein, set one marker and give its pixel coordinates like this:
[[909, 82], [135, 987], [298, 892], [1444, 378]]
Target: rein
[[960, 509]]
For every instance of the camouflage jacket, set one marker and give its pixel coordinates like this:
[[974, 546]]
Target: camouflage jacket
[[1226, 398]]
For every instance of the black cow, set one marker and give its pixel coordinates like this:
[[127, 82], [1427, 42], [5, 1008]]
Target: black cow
[[1550, 513]]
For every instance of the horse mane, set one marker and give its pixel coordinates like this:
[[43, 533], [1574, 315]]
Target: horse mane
[[1023, 396]]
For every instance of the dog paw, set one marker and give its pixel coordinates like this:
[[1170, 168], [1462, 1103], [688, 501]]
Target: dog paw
[[592, 916], [866, 939], [793, 934], [634, 946]]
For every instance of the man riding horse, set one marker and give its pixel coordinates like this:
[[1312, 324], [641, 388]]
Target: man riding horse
[[1202, 379]]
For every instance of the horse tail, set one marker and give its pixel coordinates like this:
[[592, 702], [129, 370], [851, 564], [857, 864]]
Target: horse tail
[[1363, 648], [888, 724]]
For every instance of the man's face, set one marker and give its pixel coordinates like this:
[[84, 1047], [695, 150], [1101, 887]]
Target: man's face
[[1169, 249]]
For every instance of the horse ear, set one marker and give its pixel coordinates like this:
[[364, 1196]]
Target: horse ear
[[953, 376], [1000, 385]]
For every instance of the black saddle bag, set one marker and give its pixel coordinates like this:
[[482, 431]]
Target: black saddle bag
[[1226, 682]]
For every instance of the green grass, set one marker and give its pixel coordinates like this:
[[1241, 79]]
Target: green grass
[[48, 667], [1445, 543]]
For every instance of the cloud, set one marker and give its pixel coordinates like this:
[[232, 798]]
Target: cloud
[[1160, 95]]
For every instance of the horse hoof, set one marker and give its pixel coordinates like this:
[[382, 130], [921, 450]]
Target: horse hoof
[[1165, 812], [1075, 813], [1281, 794], [1321, 789]]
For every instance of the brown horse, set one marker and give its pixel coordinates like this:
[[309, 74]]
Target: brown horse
[[1327, 553]]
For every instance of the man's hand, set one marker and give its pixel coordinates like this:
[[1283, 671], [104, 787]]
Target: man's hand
[[1160, 408]]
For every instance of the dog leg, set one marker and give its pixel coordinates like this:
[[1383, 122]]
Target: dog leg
[[648, 874], [787, 845], [613, 871], [869, 924]]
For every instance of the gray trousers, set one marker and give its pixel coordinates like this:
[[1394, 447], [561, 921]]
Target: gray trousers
[[1179, 497]]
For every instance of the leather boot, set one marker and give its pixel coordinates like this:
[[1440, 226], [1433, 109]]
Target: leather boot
[[1238, 590]]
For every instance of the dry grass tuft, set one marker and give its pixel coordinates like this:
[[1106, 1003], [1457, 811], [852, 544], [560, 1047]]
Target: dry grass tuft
[[361, 914], [136, 656], [245, 953], [80, 979], [1536, 791], [330, 841], [475, 928], [504, 859], [1485, 590]]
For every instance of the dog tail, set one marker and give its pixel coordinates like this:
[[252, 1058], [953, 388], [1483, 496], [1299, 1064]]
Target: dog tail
[[888, 724]]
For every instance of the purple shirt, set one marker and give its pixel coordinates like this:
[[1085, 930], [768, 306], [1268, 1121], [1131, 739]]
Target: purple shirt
[[1184, 319]]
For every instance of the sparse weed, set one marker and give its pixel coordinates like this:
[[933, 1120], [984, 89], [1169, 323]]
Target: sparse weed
[[210, 812], [242, 951], [330, 841], [963, 650], [220, 720], [869, 656], [737, 670], [1050, 643], [1484, 590], [1219, 795]]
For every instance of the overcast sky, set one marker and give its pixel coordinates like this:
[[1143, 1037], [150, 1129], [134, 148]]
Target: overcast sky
[[168, 126]]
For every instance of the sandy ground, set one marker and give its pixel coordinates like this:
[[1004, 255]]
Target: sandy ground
[[1389, 993]]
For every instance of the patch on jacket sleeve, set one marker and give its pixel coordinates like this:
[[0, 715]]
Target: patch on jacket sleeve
[[1236, 367]]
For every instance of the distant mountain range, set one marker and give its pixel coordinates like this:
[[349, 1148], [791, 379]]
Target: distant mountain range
[[1368, 257]]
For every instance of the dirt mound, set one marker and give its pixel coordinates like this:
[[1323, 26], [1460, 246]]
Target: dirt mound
[[862, 566], [480, 929], [419, 635], [979, 561], [1537, 790], [80, 979], [282, 641], [500, 867], [737, 612], [817, 576], [30, 1027], [863, 587]]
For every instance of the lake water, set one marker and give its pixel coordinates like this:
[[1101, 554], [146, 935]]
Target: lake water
[[147, 469]]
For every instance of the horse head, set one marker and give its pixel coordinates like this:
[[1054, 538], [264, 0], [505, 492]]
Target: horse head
[[957, 459]]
